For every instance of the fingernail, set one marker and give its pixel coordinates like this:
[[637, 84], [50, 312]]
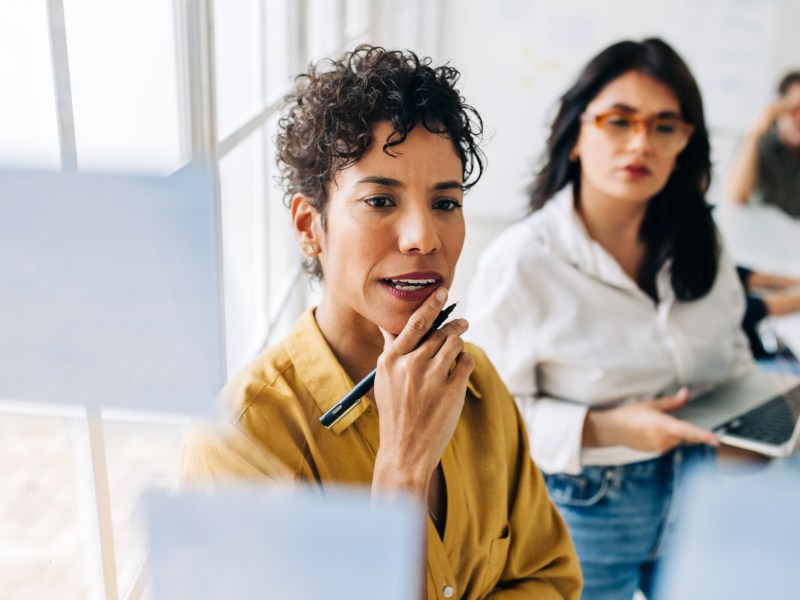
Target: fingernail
[[441, 294]]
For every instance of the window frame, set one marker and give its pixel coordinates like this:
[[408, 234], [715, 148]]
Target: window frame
[[200, 142]]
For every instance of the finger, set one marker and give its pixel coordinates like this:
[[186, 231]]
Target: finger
[[692, 434], [433, 345], [463, 369], [420, 322], [670, 403], [452, 347]]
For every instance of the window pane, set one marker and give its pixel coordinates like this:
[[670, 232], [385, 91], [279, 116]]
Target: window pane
[[47, 536], [124, 83], [324, 27], [28, 126], [243, 250], [139, 456], [284, 255], [276, 61], [237, 33]]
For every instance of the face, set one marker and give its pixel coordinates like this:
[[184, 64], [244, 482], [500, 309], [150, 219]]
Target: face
[[395, 230], [630, 168], [789, 121]]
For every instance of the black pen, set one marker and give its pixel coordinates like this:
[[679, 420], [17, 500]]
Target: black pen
[[353, 397]]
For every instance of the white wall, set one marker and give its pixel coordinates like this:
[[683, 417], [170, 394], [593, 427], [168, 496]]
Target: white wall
[[518, 56]]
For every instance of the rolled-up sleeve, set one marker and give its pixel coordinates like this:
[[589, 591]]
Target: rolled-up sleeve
[[556, 432], [222, 454]]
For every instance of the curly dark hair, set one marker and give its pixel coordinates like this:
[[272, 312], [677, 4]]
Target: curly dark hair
[[334, 108], [678, 223]]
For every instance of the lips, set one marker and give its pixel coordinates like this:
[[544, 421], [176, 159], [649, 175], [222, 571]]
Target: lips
[[412, 286], [637, 169]]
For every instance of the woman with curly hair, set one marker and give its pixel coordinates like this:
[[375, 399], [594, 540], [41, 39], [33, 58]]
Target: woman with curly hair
[[609, 302], [376, 151]]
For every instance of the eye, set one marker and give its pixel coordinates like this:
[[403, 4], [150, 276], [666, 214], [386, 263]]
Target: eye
[[447, 204], [379, 201], [618, 122], [665, 127]]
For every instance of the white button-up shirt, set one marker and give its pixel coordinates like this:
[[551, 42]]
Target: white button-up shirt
[[569, 330]]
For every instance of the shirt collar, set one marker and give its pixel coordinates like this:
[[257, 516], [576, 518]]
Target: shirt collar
[[322, 374], [572, 241]]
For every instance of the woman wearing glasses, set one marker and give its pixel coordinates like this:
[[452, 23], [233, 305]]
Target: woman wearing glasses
[[610, 302]]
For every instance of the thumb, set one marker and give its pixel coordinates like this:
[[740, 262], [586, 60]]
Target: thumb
[[672, 402]]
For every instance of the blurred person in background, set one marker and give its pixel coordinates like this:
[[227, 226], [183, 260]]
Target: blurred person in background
[[611, 300], [769, 295], [768, 161]]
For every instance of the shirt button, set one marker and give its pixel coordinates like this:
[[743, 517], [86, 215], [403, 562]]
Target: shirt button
[[448, 591]]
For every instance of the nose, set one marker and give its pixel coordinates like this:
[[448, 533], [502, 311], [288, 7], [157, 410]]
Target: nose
[[418, 233], [640, 137]]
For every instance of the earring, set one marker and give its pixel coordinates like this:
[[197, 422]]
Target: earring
[[308, 249]]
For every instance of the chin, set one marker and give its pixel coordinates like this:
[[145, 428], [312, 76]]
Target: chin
[[635, 197], [395, 325], [394, 321], [391, 322]]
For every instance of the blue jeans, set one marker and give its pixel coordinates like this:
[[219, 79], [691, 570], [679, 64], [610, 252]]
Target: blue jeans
[[621, 518]]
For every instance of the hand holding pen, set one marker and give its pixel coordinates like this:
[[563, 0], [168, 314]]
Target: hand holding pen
[[354, 396], [419, 394]]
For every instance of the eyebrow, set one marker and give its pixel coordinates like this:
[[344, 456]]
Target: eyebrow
[[390, 182], [630, 109], [449, 185], [385, 181]]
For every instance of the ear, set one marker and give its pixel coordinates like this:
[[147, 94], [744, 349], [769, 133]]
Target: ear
[[306, 223], [573, 154]]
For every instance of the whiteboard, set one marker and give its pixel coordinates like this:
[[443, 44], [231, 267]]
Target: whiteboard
[[517, 57]]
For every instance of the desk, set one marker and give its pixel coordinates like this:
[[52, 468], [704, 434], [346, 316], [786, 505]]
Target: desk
[[761, 237], [766, 239]]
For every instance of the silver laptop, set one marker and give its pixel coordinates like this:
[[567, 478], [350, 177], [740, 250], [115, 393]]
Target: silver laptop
[[759, 411]]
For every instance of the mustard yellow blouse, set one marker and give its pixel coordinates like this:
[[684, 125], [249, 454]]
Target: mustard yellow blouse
[[503, 537]]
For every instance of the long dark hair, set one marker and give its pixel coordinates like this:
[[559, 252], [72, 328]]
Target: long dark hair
[[677, 224]]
